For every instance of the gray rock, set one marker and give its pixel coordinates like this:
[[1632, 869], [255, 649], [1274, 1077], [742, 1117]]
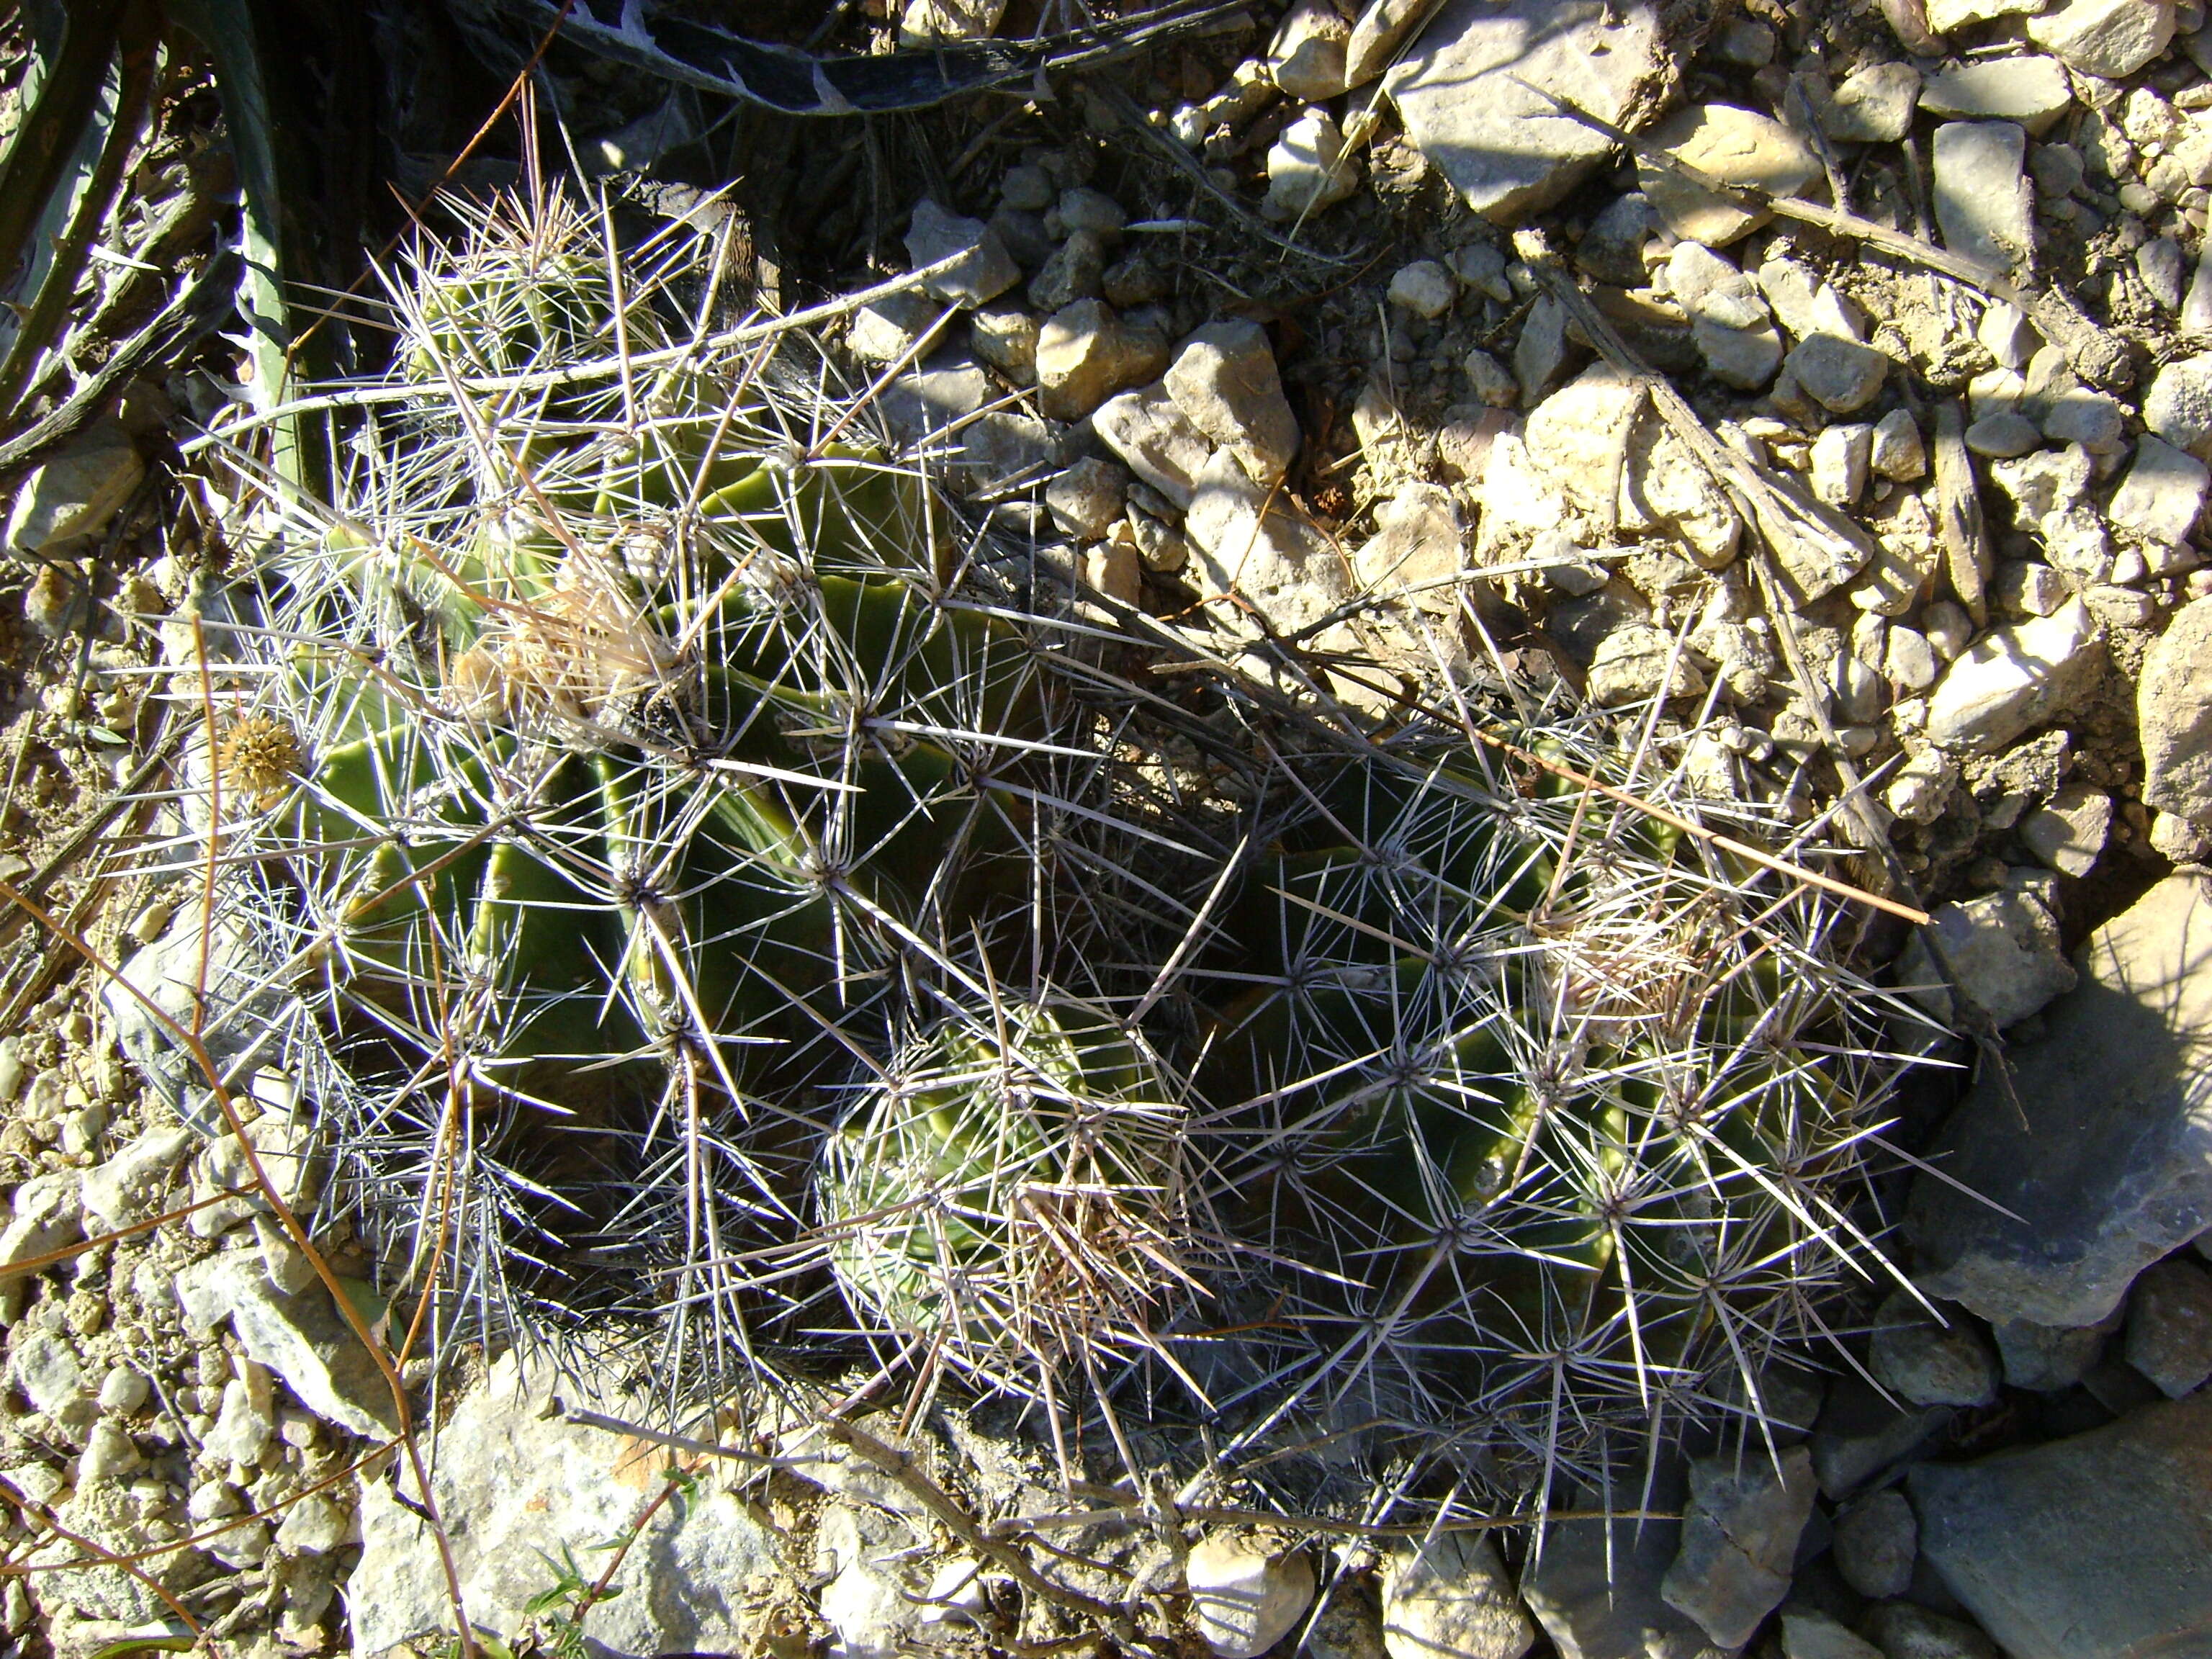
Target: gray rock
[[46, 1214], [1490, 379], [2174, 709], [1418, 548], [1449, 1597], [1243, 545], [2095, 420], [46, 1368], [2108, 39], [1731, 146], [2003, 951], [1308, 170], [1006, 338], [1739, 1540], [940, 411], [1083, 209], [2088, 1548], [1482, 265], [2023, 589], [2015, 678], [167, 973], [1861, 1433], [985, 272], [2048, 1358], [886, 330], [2049, 493], [2003, 433], [1637, 662], [1929, 1363], [1508, 152], [1900, 453], [1984, 203], [1745, 358], [2169, 1336], [1085, 354], [75, 495], [2162, 497], [514, 1480], [1872, 105], [2098, 1138], [2068, 832], [2178, 407], [2162, 267], [1841, 375], [1910, 661], [1541, 350], [868, 1603], [1026, 188], [1087, 499], [1877, 1540], [1612, 249], [1946, 15], [1244, 1599], [300, 1337], [1306, 58], [1225, 381], [1424, 288], [1076, 271], [1156, 439], [926, 23], [1842, 461], [2031, 90], [1808, 1634], [1593, 1585], [1904, 1630]]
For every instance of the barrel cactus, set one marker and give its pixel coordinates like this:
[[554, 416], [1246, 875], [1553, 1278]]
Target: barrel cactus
[[1549, 1103], [1010, 1191], [623, 755], [698, 866]]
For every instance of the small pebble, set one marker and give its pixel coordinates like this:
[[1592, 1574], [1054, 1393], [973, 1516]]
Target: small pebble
[[1424, 288], [2004, 435]]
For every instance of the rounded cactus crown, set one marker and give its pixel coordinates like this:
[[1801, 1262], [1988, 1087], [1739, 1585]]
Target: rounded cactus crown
[[1012, 1188]]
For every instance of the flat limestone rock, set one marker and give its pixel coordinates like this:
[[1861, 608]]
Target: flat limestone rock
[[1507, 151], [2089, 1548], [516, 1484], [2101, 1141]]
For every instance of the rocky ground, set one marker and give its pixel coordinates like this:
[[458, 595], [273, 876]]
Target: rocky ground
[[1233, 339]]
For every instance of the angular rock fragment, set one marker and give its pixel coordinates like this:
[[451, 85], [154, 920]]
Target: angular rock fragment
[[1985, 204], [2088, 1548], [1225, 381], [2015, 678], [1464, 92], [1730, 146], [2096, 1142], [2173, 707]]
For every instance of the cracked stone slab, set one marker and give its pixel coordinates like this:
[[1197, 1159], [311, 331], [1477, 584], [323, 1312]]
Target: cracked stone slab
[[1507, 151]]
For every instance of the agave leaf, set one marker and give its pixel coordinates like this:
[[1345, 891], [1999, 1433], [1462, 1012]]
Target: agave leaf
[[50, 163], [231, 32], [77, 210]]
